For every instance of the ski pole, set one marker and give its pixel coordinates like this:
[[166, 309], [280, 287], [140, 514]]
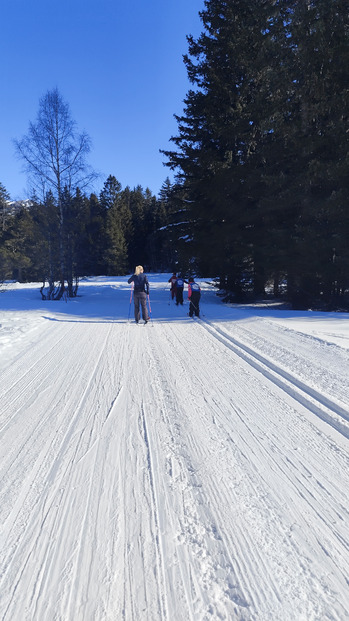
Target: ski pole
[[197, 309], [129, 308], [148, 298]]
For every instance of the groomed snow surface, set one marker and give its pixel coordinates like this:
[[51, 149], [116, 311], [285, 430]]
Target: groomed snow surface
[[184, 470]]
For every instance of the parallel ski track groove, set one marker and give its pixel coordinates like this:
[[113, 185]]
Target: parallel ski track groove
[[158, 547], [309, 497], [297, 389], [13, 393], [241, 585], [158, 387], [71, 463]]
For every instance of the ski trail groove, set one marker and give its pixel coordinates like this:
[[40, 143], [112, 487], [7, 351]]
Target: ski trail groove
[[28, 374], [56, 474], [199, 562], [323, 407], [170, 475], [259, 448], [155, 514]]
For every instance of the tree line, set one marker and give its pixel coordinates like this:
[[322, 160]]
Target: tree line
[[260, 198], [262, 149], [65, 233], [102, 235]]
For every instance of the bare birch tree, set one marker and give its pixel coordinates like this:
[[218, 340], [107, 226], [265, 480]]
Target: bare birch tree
[[54, 156]]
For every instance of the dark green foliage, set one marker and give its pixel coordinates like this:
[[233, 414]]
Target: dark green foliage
[[115, 251], [262, 146], [4, 207], [95, 238], [261, 156], [165, 240], [109, 235], [5, 262]]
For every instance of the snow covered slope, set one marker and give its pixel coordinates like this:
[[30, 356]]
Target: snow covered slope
[[184, 470]]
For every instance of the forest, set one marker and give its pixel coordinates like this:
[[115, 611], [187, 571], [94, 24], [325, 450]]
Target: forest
[[260, 194], [99, 235]]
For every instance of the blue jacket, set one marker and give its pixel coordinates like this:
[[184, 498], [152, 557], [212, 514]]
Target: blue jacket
[[141, 283]]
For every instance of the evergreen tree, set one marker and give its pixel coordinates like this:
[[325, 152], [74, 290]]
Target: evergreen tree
[[15, 245], [46, 248], [115, 255], [4, 256], [43, 247], [263, 141], [157, 247], [220, 132], [319, 137], [165, 191], [137, 244], [96, 238], [76, 217], [4, 207]]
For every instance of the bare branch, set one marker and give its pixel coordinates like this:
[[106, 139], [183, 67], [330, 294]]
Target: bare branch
[[54, 155]]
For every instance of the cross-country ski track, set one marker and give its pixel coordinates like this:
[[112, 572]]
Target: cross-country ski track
[[186, 470]]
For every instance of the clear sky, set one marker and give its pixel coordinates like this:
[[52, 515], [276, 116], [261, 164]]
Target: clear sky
[[119, 66]]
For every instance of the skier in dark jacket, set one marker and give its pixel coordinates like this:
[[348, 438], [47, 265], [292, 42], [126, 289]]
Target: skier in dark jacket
[[140, 292], [179, 290], [195, 295]]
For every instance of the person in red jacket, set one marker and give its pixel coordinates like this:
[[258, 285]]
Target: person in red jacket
[[194, 297], [173, 281]]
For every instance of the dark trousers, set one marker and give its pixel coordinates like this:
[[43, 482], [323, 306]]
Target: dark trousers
[[140, 299], [194, 304], [179, 295]]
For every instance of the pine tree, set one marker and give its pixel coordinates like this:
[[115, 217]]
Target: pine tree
[[16, 245], [96, 238], [115, 254], [4, 255], [221, 131], [319, 134], [4, 207], [262, 145], [76, 218]]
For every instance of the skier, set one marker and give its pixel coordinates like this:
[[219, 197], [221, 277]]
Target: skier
[[141, 290], [173, 281], [179, 290], [189, 287], [194, 297]]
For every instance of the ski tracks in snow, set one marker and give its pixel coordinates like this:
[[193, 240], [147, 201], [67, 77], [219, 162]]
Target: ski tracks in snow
[[174, 472], [330, 409], [246, 445]]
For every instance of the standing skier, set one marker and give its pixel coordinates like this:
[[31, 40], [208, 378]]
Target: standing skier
[[173, 281], [179, 290], [141, 290], [195, 295], [189, 283]]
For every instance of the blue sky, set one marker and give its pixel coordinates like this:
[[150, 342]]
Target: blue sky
[[119, 66]]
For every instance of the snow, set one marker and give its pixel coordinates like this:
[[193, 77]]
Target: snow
[[189, 469]]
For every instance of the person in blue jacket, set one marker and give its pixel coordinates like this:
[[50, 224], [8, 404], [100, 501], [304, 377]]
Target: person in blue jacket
[[179, 289], [140, 292]]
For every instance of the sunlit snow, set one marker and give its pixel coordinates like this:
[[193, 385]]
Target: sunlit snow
[[187, 469]]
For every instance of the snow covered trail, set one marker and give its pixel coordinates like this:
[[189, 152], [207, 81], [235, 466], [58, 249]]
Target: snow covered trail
[[183, 470]]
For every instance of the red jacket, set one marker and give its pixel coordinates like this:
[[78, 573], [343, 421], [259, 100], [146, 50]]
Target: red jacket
[[173, 281]]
